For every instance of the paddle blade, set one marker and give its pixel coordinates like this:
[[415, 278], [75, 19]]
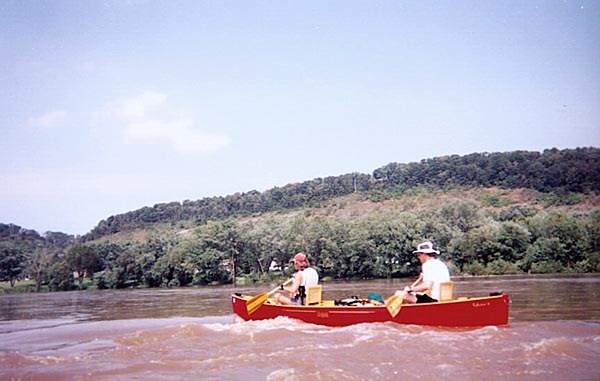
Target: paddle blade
[[393, 305], [256, 302]]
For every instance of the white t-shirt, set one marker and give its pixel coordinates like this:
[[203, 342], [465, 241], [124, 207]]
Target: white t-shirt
[[310, 277], [437, 272]]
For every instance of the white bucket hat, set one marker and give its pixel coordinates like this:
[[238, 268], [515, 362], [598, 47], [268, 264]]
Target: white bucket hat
[[426, 248]]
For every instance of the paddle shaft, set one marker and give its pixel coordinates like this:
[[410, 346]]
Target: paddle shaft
[[279, 287], [394, 302], [416, 282], [257, 301]]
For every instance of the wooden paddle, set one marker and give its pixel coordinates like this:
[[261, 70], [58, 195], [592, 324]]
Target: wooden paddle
[[394, 302], [257, 301]]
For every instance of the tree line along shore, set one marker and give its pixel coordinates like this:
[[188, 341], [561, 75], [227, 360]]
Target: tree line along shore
[[499, 213]]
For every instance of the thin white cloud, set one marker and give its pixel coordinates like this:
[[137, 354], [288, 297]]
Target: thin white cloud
[[140, 106], [148, 118], [50, 119], [178, 133]]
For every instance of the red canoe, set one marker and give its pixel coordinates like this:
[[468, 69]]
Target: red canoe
[[463, 312]]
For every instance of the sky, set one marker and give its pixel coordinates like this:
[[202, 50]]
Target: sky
[[110, 106]]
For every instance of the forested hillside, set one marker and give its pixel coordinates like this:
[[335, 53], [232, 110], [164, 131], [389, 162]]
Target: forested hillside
[[557, 171], [25, 253], [489, 213]]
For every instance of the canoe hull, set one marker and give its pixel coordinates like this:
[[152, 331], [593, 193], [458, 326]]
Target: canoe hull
[[471, 312]]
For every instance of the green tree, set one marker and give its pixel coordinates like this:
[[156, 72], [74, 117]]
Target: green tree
[[12, 262], [127, 273], [84, 260], [324, 245], [210, 267], [544, 255], [464, 215], [513, 239], [39, 262], [570, 232], [477, 245], [393, 237], [270, 243], [60, 277], [219, 245]]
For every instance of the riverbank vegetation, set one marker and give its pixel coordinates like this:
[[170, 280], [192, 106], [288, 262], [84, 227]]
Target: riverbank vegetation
[[501, 213]]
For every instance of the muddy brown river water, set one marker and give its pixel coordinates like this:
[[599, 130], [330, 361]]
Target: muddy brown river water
[[191, 334]]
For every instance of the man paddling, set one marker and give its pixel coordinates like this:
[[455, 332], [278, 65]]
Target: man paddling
[[433, 273], [305, 276]]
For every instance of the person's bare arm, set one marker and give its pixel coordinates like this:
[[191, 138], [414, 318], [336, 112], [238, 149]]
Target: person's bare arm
[[293, 289]]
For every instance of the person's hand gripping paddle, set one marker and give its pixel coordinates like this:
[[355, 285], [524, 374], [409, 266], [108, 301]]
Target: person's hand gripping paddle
[[257, 301], [394, 302]]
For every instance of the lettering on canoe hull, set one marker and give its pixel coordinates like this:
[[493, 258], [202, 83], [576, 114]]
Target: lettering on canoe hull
[[323, 314], [480, 304], [353, 312]]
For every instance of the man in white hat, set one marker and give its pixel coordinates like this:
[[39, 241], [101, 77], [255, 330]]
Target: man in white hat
[[433, 272]]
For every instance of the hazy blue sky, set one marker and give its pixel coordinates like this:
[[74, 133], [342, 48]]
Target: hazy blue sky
[[109, 106]]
